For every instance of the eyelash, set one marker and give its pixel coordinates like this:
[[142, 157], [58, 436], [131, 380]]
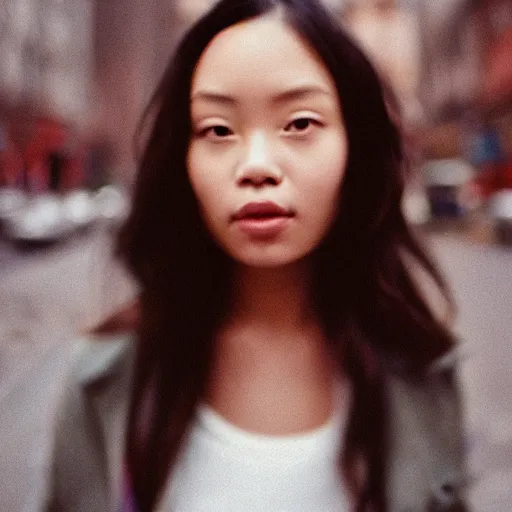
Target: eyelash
[[204, 133], [311, 121]]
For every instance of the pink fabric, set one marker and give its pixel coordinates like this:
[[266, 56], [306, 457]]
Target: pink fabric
[[128, 504]]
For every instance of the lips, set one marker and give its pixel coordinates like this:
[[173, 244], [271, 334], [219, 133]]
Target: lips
[[264, 210], [263, 221]]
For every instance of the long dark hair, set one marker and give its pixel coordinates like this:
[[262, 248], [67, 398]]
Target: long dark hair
[[373, 314]]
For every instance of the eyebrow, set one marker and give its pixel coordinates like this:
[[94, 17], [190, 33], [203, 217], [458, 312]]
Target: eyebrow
[[282, 97]]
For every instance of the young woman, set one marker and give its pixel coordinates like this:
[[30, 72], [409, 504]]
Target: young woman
[[284, 358]]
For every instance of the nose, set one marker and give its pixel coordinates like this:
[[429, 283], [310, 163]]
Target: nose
[[258, 168]]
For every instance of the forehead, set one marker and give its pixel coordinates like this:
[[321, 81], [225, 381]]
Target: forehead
[[257, 57]]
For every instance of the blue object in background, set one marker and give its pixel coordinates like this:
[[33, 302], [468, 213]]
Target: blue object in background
[[487, 147], [444, 202]]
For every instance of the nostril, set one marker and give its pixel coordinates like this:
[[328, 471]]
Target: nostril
[[250, 181]]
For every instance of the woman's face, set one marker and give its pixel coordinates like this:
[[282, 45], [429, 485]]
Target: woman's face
[[268, 147]]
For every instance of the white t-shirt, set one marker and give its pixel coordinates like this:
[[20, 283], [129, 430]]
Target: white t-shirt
[[226, 469]]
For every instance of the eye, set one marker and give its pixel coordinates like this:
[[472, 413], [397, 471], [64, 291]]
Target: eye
[[301, 125], [216, 132]]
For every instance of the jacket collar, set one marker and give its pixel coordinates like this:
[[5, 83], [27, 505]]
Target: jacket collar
[[103, 356]]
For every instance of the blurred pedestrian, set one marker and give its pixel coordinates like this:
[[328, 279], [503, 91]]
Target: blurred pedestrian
[[283, 356]]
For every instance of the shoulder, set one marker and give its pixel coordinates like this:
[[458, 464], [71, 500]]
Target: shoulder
[[430, 402], [95, 359]]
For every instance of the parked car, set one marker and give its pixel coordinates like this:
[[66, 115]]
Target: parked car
[[51, 217]]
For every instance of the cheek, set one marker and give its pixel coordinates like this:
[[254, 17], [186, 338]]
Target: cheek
[[200, 176], [199, 182], [208, 187], [325, 175], [192, 168]]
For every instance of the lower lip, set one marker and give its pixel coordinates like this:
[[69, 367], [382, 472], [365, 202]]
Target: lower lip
[[263, 228]]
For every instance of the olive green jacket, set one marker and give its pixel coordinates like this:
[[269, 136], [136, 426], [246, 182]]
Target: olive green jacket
[[426, 469]]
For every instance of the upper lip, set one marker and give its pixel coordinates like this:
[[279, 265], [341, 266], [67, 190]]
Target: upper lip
[[261, 209]]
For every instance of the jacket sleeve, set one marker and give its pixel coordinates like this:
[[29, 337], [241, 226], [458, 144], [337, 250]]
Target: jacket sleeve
[[449, 492], [427, 460], [75, 479]]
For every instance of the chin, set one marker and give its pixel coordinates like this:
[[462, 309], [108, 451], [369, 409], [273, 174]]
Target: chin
[[268, 259], [265, 263]]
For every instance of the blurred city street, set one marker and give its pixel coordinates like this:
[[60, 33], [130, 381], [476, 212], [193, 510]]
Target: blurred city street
[[51, 298]]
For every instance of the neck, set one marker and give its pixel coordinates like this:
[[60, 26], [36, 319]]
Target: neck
[[272, 371], [277, 298]]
